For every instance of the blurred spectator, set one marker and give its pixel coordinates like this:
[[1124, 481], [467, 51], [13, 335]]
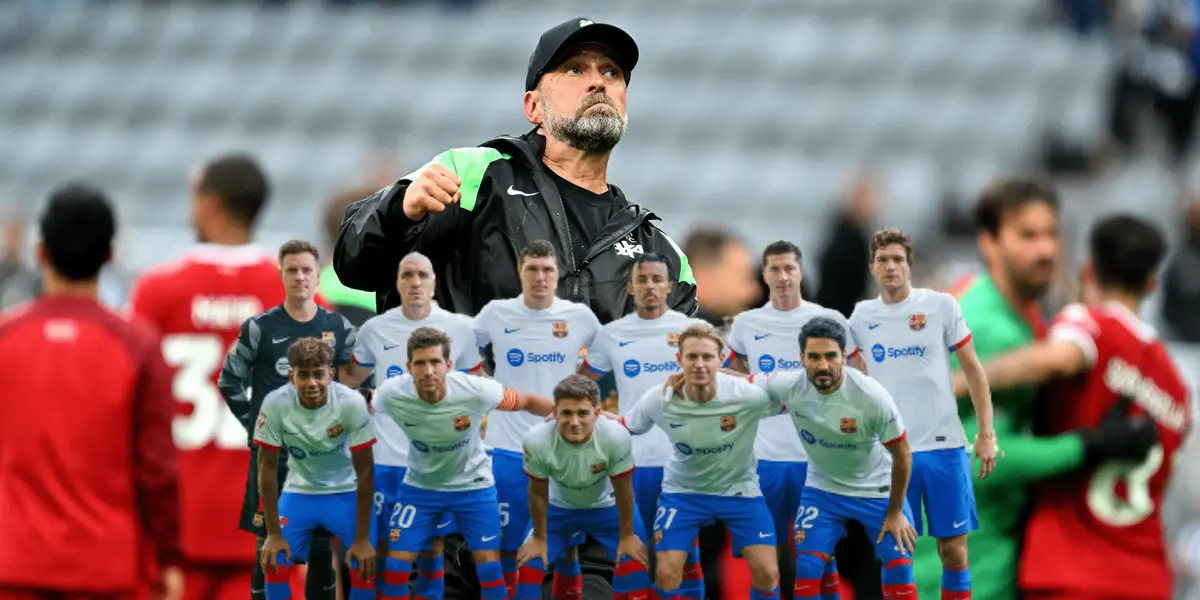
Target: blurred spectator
[[726, 280], [1181, 283], [18, 282], [842, 266], [355, 305]]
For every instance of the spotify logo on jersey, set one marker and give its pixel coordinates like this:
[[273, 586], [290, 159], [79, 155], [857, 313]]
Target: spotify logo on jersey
[[394, 371], [768, 363], [634, 368]]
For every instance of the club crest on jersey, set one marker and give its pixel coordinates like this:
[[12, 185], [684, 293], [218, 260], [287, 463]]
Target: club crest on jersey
[[599, 468], [673, 340], [282, 521], [394, 535], [916, 322], [335, 431], [329, 338], [728, 423], [560, 329], [850, 425], [800, 535], [462, 423], [262, 421]]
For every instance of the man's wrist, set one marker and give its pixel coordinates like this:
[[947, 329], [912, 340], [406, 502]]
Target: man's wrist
[[986, 434]]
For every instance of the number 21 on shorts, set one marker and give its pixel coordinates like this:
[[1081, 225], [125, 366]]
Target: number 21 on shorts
[[659, 522]]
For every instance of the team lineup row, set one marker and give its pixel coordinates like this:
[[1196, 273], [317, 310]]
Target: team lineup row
[[535, 338]]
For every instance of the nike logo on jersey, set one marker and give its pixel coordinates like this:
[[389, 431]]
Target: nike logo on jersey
[[623, 344], [280, 340], [958, 524], [488, 538], [445, 525], [387, 347], [763, 536], [758, 336], [873, 325], [515, 192], [676, 425], [407, 424], [507, 330]]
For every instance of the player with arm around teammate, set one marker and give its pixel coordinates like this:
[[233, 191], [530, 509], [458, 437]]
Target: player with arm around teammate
[[912, 333], [449, 475], [382, 351], [859, 460], [579, 468], [763, 340], [326, 429], [711, 475], [640, 350]]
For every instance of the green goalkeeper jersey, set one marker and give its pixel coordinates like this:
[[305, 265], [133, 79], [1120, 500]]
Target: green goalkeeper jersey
[[994, 548]]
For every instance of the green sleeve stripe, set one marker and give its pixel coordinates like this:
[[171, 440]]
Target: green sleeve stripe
[[685, 269], [469, 164]]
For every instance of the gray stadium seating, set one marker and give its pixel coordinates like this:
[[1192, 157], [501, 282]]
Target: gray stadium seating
[[769, 104]]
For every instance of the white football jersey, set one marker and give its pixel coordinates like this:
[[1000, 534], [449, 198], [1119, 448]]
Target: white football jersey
[[642, 354], [447, 452], [714, 441], [383, 345], [318, 442], [769, 340], [909, 345], [579, 474], [844, 431], [534, 350]]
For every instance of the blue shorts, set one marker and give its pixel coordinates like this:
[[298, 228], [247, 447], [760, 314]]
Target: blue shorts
[[512, 496], [566, 527], [300, 514], [782, 486], [941, 483], [680, 517], [647, 487], [388, 481], [426, 514], [821, 522]]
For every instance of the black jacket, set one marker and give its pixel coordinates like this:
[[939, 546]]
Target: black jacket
[[508, 200]]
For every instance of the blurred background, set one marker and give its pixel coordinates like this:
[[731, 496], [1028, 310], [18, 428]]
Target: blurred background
[[816, 121]]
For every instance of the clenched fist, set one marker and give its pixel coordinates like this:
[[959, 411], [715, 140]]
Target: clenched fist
[[434, 189]]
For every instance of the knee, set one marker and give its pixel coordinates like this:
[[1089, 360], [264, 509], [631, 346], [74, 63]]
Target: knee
[[765, 577], [953, 552], [484, 556], [402, 556], [668, 575], [437, 545]]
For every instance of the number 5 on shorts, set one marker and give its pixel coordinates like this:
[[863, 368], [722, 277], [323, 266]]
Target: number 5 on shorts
[[669, 513], [402, 516]]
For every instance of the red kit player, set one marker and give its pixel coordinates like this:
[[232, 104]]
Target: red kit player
[[1096, 534], [199, 302]]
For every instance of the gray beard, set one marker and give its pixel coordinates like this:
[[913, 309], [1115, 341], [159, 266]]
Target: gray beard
[[594, 133]]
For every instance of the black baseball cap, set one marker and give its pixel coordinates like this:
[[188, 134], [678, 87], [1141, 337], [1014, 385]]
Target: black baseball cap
[[553, 46]]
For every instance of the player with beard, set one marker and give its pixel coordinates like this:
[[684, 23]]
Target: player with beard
[[551, 183], [1018, 238]]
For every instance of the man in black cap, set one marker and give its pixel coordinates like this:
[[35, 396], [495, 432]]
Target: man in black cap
[[470, 209]]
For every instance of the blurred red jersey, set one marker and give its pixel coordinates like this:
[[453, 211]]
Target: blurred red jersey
[[88, 472], [1096, 533], [199, 302]]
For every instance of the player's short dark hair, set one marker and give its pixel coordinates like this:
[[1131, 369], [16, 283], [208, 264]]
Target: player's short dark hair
[[239, 183], [309, 353], [706, 245], [1005, 196], [823, 328], [577, 387], [537, 249], [291, 247], [888, 237], [1126, 251], [429, 337], [77, 228], [335, 209], [781, 247], [646, 258]]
